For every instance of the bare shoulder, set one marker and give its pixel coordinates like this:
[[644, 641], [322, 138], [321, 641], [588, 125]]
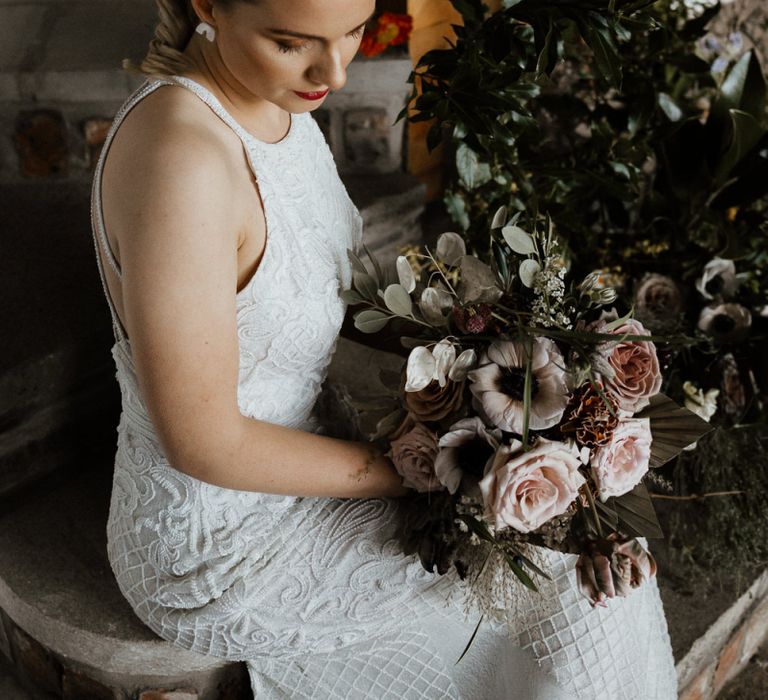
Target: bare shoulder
[[172, 134], [174, 166]]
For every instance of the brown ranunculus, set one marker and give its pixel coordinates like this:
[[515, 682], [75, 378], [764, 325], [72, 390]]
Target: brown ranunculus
[[434, 402], [414, 455], [588, 419]]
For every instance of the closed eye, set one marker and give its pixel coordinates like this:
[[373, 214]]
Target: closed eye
[[287, 47], [293, 48]]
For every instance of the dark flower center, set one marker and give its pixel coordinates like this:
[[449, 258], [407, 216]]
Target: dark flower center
[[715, 285], [723, 324], [472, 456], [512, 383]]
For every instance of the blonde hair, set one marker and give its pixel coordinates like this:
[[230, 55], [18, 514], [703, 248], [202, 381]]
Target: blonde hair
[[176, 25]]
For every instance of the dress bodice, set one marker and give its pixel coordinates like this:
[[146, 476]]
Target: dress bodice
[[290, 312]]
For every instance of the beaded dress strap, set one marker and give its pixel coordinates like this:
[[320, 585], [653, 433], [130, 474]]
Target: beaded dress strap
[[97, 215]]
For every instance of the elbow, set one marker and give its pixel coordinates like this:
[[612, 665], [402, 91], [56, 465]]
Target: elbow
[[204, 452]]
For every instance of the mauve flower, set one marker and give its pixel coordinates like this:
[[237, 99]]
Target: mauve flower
[[725, 323], [413, 455], [718, 280], [635, 366], [620, 465], [465, 448], [609, 569], [658, 302], [472, 319], [524, 490], [499, 382]]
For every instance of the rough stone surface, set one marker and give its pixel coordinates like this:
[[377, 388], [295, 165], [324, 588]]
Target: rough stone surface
[[58, 398], [77, 686], [391, 207], [15, 45], [124, 30], [71, 622], [729, 662], [41, 141], [700, 688], [10, 685], [35, 662], [752, 682], [366, 139]]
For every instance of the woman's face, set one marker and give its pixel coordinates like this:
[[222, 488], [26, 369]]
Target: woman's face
[[290, 52]]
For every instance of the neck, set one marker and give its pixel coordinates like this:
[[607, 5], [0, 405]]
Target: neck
[[262, 118]]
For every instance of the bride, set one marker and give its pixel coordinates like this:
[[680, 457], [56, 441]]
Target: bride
[[235, 530]]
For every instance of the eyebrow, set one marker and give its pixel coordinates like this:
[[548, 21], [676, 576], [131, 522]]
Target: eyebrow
[[298, 35]]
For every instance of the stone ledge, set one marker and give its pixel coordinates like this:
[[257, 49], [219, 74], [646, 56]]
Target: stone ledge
[[727, 646], [64, 614]]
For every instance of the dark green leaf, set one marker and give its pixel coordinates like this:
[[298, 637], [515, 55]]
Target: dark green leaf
[[471, 639], [521, 573]]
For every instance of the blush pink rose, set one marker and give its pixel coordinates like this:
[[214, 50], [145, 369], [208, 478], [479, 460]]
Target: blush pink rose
[[620, 465], [523, 490], [635, 365], [413, 455]]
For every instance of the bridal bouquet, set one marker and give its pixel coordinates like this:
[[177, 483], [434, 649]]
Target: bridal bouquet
[[528, 412]]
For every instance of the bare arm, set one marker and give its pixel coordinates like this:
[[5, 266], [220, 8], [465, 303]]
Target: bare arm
[[177, 230]]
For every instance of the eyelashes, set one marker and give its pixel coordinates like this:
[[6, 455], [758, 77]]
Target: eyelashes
[[287, 48], [292, 48]]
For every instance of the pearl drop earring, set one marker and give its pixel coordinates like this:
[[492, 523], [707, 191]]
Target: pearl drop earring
[[206, 30]]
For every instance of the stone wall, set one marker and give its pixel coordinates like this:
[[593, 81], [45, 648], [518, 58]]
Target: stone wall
[[61, 83]]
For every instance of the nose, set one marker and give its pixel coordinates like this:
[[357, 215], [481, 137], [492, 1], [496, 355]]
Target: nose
[[329, 70]]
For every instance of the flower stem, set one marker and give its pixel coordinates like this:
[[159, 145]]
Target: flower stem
[[593, 507], [696, 496]]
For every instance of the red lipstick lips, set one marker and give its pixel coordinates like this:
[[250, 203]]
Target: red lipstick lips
[[312, 95]]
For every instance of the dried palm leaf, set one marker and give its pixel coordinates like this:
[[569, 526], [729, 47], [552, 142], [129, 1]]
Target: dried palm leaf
[[673, 428]]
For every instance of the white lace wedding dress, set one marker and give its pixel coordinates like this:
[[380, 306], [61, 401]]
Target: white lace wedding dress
[[314, 594]]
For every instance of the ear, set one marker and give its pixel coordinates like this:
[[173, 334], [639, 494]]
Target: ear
[[204, 10]]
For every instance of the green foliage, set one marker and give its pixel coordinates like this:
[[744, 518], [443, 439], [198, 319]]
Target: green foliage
[[606, 119]]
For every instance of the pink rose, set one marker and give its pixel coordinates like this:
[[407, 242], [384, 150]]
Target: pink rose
[[618, 466], [636, 372], [524, 490], [413, 455]]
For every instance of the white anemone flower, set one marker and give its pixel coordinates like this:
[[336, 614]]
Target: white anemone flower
[[498, 384], [718, 279], [440, 364], [466, 447]]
